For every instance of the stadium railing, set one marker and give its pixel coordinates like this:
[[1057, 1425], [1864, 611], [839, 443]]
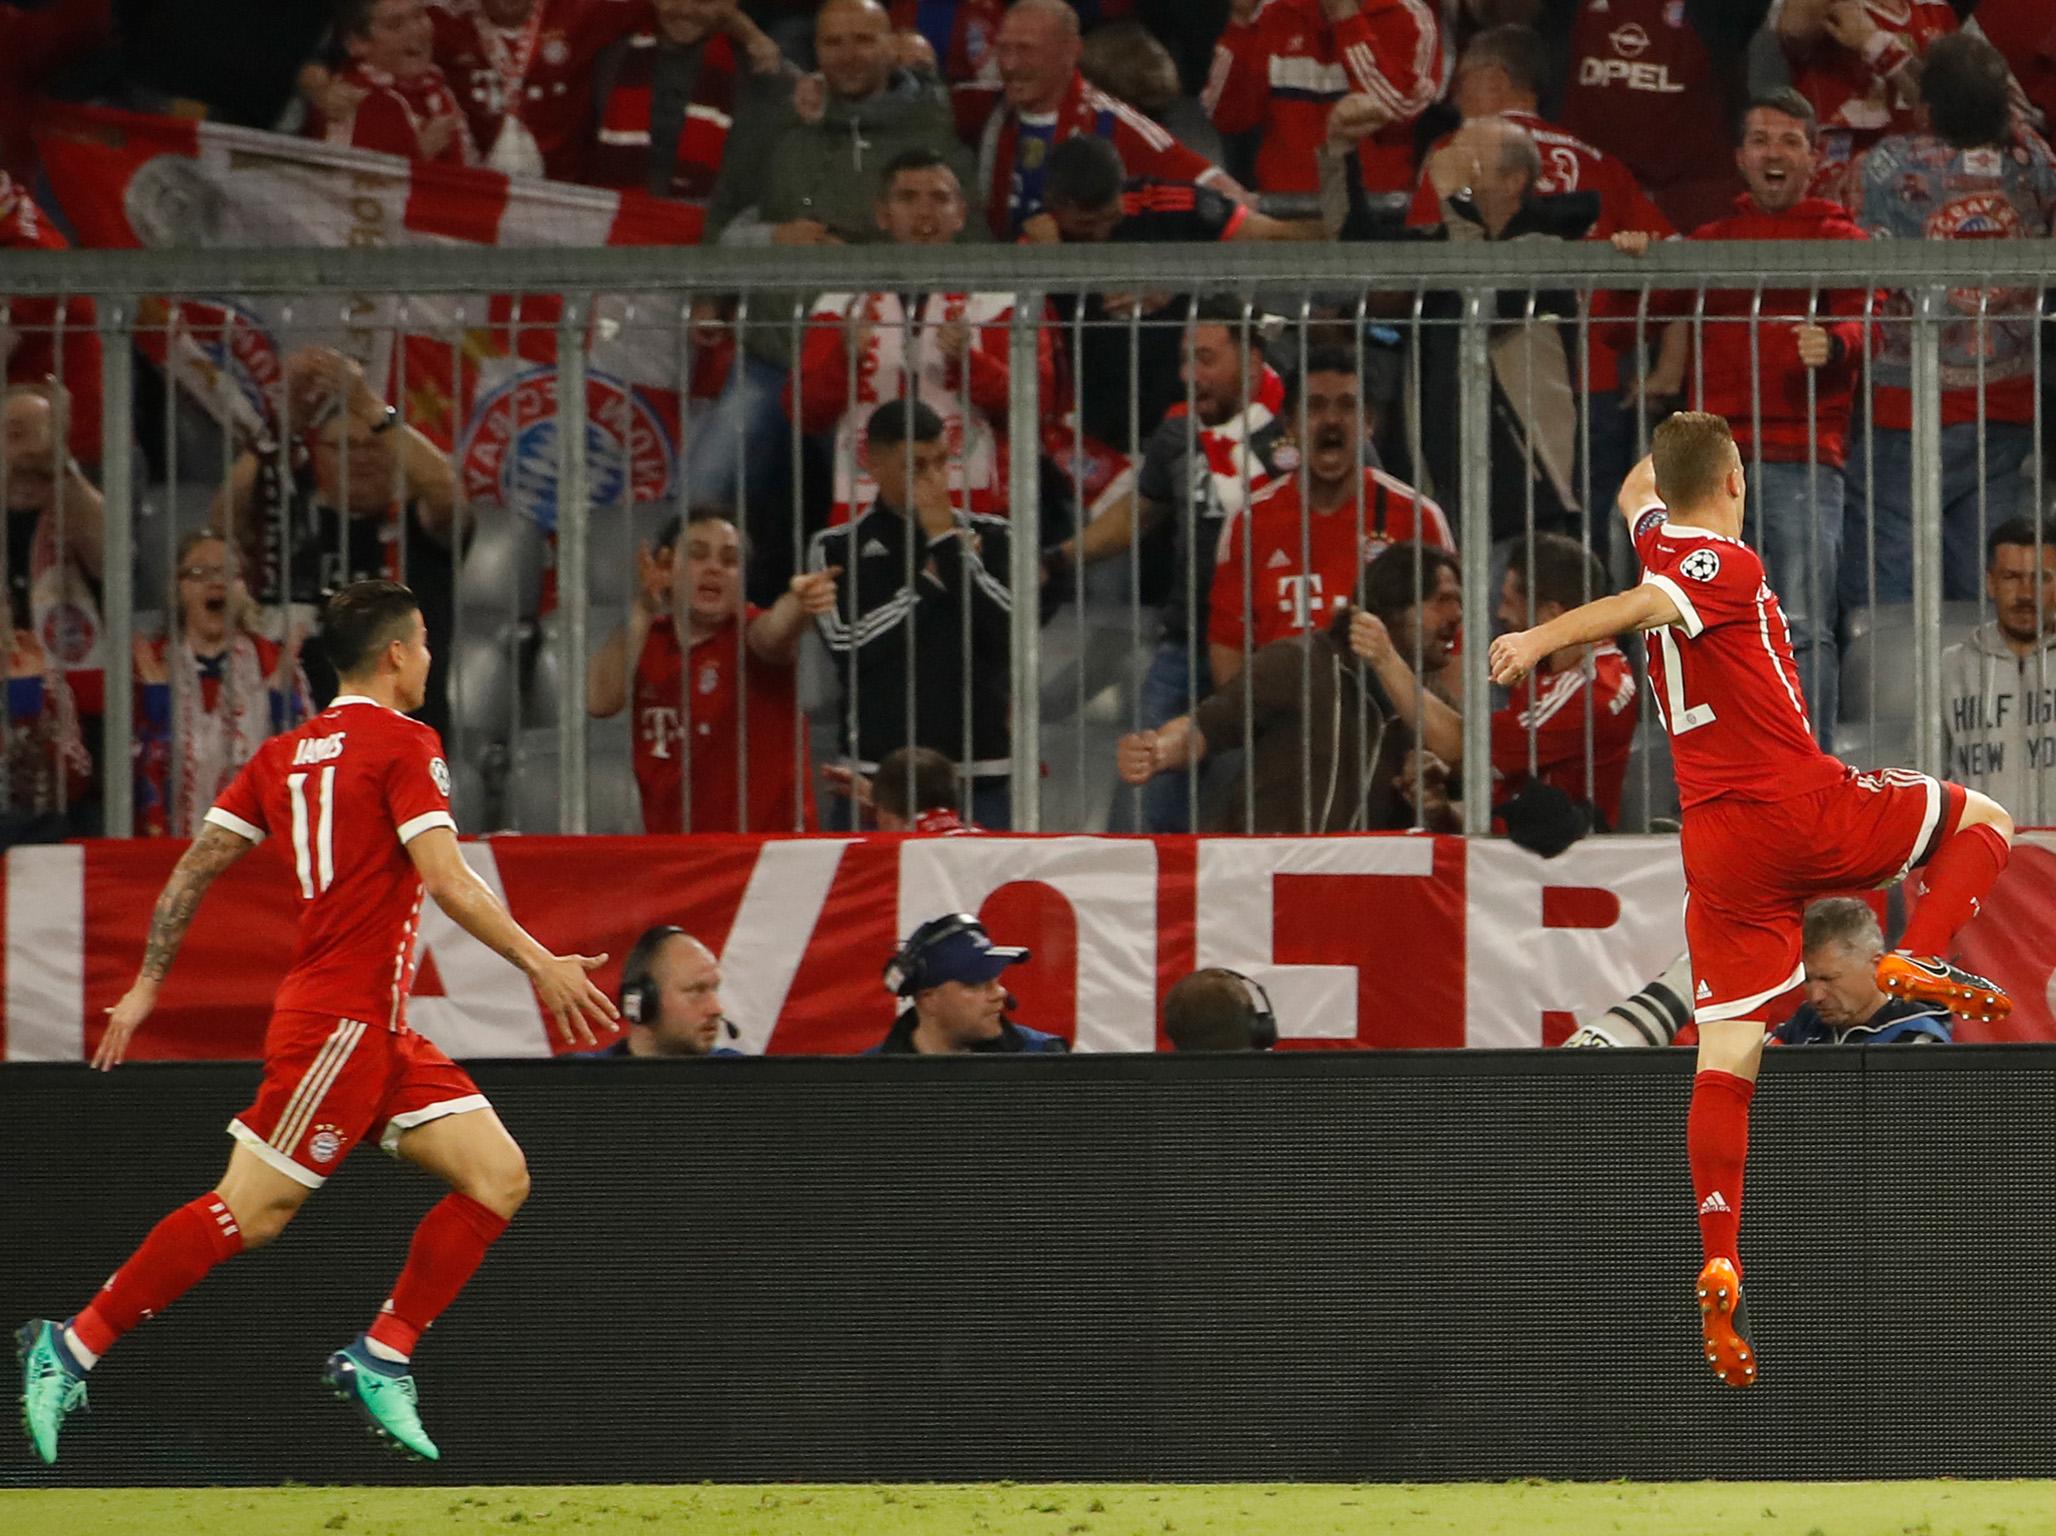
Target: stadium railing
[[606, 342]]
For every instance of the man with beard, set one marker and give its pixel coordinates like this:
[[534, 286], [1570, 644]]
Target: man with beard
[[1327, 717], [1201, 467], [1999, 685], [1289, 560]]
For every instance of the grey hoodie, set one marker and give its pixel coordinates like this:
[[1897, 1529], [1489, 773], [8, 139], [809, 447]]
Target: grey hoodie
[[1999, 722]]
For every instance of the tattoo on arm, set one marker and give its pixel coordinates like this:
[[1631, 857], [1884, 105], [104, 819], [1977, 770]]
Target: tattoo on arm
[[211, 852]]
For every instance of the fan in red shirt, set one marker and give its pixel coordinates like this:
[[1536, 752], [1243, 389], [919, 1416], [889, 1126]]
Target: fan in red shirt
[[522, 73], [1303, 564], [398, 101], [729, 779], [1542, 733], [1858, 62], [1281, 66], [1782, 365], [359, 800], [1770, 820], [1048, 101], [47, 338]]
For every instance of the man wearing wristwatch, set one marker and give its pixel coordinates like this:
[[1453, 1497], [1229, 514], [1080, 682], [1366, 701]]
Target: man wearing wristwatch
[[353, 494]]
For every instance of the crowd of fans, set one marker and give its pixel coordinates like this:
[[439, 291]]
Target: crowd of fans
[[1283, 517]]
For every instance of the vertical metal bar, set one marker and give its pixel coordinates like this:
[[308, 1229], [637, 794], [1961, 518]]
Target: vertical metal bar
[[681, 634], [1306, 586], [1024, 548], [803, 763], [574, 530], [1200, 636], [1474, 428], [1820, 584], [453, 664], [1931, 310], [1078, 514], [118, 572], [741, 615], [1528, 322]]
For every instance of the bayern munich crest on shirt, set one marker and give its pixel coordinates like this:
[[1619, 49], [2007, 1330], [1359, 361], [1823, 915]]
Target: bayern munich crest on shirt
[[324, 1144], [508, 453], [1700, 565]]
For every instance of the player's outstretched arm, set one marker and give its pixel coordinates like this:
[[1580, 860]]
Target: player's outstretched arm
[[562, 982], [1515, 655], [1637, 493], [209, 854]]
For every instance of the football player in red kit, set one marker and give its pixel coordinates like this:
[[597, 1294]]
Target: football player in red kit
[[360, 795], [1770, 820]]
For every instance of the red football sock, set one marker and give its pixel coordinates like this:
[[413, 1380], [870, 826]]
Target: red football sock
[[173, 1259], [1954, 880], [1717, 1141], [447, 1248]]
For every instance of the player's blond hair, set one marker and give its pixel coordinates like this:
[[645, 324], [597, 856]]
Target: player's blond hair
[[1692, 452]]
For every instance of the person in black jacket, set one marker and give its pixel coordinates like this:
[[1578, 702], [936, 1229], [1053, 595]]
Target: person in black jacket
[[922, 624]]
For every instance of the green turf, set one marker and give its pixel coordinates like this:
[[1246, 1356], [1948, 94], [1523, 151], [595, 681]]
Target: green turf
[[1264, 1509]]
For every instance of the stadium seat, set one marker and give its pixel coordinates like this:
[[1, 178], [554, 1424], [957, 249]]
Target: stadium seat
[[533, 788], [1650, 791], [1884, 743], [501, 579]]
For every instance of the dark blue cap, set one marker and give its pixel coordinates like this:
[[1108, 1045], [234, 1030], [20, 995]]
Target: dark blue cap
[[952, 948]]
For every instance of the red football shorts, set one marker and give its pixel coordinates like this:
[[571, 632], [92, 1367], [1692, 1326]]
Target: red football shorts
[[1752, 866], [327, 1081]]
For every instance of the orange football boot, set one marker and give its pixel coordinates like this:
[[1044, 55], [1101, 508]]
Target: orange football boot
[[1725, 1324]]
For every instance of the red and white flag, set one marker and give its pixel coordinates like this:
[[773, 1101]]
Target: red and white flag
[[476, 372]]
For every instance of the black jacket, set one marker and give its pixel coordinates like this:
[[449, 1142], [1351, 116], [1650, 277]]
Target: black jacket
[[938, 609]]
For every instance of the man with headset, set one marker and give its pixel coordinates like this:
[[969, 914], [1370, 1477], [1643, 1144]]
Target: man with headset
[[949, 970], [671, 999], [1219, 1010]]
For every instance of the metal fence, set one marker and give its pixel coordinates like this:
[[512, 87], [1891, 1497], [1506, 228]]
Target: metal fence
[[673, 380]]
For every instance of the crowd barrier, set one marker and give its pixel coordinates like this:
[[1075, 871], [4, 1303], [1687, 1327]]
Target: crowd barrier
[[581, 396], [1398, 940], [1405, 1266]]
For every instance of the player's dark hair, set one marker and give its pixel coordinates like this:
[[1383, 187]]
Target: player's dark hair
[[1556, 568], [2021, 531], [1692, 452], [934, 779], [1209, 1010], [1084, 172], [1391, 584], [362, 619], [1517, 51], [1964, 86], [1779, 99], [1842, 920], [897, 420], [911, 160]]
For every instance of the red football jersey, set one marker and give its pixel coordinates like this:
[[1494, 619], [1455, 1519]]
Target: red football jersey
[[349, 790], [1723, 675], [663, 710], [1291, 594], [1551, 710]]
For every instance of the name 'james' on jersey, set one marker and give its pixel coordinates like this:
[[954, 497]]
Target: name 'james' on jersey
[[345, 793], [1723, 675]]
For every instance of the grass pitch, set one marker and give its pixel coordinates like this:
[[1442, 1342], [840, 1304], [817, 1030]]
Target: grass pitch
[[1007, 1509]]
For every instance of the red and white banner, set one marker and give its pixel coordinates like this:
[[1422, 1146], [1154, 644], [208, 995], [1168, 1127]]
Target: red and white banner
[[477, 373], [1361, 941]]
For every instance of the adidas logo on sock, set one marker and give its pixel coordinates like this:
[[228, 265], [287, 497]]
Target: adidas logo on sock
[[1713, 1202], [1703, 993]]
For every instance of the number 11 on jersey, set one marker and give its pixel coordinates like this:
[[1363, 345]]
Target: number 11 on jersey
[[315, 864]]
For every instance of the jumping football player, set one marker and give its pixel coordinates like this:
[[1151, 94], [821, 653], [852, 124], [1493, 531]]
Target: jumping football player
[[1770, 820], [363, 795]]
